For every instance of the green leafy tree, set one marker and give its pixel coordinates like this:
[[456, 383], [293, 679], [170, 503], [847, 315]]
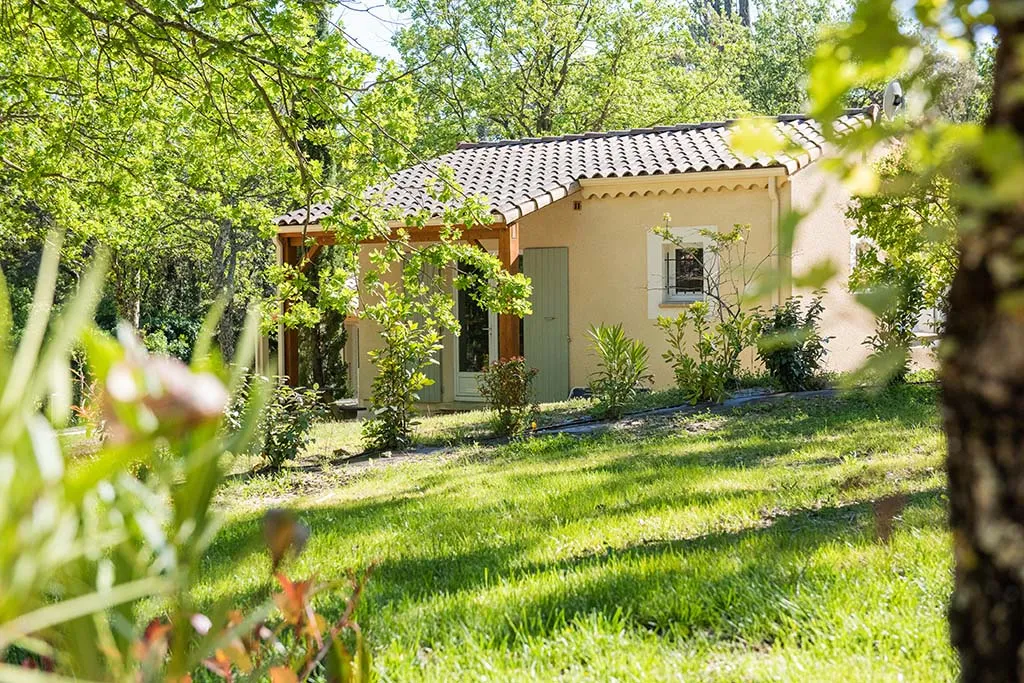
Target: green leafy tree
[[411, 311], [559, 67], [908, 247], [783, 40], [180, 137]]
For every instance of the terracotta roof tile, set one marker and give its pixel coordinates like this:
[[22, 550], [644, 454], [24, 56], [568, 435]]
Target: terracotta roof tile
[[520, 176]]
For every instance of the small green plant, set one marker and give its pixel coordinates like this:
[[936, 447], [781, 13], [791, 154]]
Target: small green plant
[[791, 346], [507, 385], [285, 425], [712, 370], [407, 347], [899, 300], [622, 368]]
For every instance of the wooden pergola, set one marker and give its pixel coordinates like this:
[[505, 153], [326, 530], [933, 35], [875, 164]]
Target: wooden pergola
[[298, 245]]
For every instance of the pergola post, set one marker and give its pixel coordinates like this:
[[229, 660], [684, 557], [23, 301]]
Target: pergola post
[[289, 340], [508, 324]]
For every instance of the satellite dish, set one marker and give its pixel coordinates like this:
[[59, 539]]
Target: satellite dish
[[892, 100]]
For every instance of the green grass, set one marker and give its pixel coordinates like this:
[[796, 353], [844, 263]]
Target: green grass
[[332, 439], [714, 547]]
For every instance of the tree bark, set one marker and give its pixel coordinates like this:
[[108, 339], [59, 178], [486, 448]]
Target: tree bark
[[224, 262], [983, 401]]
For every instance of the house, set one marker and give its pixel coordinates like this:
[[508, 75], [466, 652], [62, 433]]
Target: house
[[575, 212]]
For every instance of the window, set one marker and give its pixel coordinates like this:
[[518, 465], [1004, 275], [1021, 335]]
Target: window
[[684, 275], [679, 266]]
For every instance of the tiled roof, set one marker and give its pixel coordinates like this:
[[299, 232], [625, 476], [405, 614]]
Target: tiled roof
[[521, 176]]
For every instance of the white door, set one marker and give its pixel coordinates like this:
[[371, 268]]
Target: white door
[[475, 347]]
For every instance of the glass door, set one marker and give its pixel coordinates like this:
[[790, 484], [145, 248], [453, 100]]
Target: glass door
[[477, 345]]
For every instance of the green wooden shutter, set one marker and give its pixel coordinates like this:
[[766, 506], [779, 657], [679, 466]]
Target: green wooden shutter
[[546, 331]]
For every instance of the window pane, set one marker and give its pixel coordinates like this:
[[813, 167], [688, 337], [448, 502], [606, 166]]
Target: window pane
[[474, 338], [689, 271]]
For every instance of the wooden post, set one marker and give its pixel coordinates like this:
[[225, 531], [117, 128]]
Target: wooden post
[[508, 325], [290, 339]]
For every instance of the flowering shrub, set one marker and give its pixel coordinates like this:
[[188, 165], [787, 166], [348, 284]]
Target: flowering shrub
[[507, 385]]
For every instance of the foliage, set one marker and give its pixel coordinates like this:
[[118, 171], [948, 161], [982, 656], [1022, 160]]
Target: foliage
[[406, 348], [411, 307], [622, 368], [562, 67], [507, 386], [791, 346], [909, 227], [729, 275], [785, 34], [712, 370], [87, 544], [286, 422], [900, 302], [176, 142]]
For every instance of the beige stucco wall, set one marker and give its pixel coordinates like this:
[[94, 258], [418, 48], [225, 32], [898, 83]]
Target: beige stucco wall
[[824, 235], [607, 239]]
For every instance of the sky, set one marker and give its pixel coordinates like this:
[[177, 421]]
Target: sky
[[370, 24]]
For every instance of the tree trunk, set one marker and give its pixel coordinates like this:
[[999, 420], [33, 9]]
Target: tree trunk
[[225, 262], [126, 274], [983, 400]]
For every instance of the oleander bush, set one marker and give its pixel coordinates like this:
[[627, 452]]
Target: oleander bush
[[622, 369]]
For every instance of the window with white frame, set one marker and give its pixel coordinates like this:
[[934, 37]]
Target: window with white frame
[[679, 266], [683, 272]]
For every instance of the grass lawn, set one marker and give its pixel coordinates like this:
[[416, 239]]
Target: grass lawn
[[443, 429], [733, 547]]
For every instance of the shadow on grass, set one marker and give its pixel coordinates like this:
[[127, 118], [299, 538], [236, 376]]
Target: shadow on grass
[[749, 586], [463, 558]]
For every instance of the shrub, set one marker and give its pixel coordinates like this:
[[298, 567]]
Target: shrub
[[284, 427], [507, 385], [407, 348], [622, 368], [899, 300], [712, 370], [791, 346]]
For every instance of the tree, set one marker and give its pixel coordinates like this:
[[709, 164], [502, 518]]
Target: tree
[[907, 240], [982, 369], [983, 387], [180, 135], [564, 66], [783, 41], [412, 311]]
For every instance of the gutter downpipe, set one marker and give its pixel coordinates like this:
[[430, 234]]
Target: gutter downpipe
[[773, 197]]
